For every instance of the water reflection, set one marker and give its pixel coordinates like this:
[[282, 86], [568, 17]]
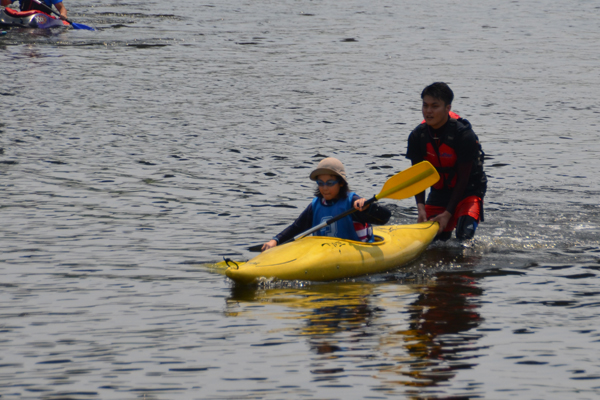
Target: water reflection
[[440, 338], [409, 335], [325, 309]]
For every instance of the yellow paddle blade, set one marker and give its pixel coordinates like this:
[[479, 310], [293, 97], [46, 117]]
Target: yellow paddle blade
[[410, 182]]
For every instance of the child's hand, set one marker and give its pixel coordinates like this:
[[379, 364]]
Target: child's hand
[[269, 244], [360, 204]]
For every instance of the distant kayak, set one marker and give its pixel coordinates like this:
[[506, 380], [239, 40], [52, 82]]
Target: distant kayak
[[319, 258], [29, 19]]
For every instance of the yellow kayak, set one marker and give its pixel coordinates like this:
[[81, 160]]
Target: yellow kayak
[[321, 258]]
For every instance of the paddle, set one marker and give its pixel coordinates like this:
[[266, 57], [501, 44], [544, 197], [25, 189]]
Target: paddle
[[73, 24], [404, 184]]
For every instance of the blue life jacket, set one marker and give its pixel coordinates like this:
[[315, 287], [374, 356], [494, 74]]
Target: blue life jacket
[[344, 228]]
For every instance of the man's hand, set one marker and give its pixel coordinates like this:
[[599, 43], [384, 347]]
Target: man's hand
[[422, 216], [443, 220]]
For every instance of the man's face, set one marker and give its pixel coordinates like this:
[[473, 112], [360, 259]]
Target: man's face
[[435, 112]]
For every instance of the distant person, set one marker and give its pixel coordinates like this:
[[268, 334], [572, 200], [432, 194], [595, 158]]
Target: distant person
[[333, 197], [27, 5], [449, 143]]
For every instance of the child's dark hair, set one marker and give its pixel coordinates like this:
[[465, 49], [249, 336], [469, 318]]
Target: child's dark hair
[[439, 90], [344, 189]]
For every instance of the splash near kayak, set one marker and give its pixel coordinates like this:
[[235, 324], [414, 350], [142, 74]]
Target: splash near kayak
[[30, 19], [320, 258]]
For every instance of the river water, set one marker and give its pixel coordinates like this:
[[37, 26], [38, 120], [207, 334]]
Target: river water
[[180, 133]]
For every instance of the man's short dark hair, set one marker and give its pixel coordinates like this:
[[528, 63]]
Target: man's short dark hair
[[439, 90]]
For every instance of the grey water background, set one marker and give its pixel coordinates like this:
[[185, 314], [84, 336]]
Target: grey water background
[[181, 132]]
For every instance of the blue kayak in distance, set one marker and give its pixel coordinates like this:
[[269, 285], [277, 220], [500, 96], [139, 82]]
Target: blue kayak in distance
[[29, 19]]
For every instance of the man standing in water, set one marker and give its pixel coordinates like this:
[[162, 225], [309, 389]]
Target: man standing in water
[[26, 5], [456, 200]]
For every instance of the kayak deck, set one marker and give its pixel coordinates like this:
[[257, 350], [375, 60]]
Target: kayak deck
[[319, 258]]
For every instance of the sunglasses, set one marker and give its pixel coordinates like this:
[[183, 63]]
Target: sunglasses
[[329, 183]]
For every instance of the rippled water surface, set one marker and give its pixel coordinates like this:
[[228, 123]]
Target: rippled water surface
[[180, 133]]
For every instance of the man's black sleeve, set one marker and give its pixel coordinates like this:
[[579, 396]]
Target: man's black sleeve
[[413, 150]]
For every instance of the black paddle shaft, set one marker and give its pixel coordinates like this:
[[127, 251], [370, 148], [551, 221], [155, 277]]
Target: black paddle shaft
[[54, 12], [258, 247], [49, 9], [331, 221]]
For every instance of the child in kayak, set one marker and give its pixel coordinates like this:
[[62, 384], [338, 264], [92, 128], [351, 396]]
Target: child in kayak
[[332, 198]]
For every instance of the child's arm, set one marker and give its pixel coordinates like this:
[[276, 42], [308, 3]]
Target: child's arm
[[301, 224]]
